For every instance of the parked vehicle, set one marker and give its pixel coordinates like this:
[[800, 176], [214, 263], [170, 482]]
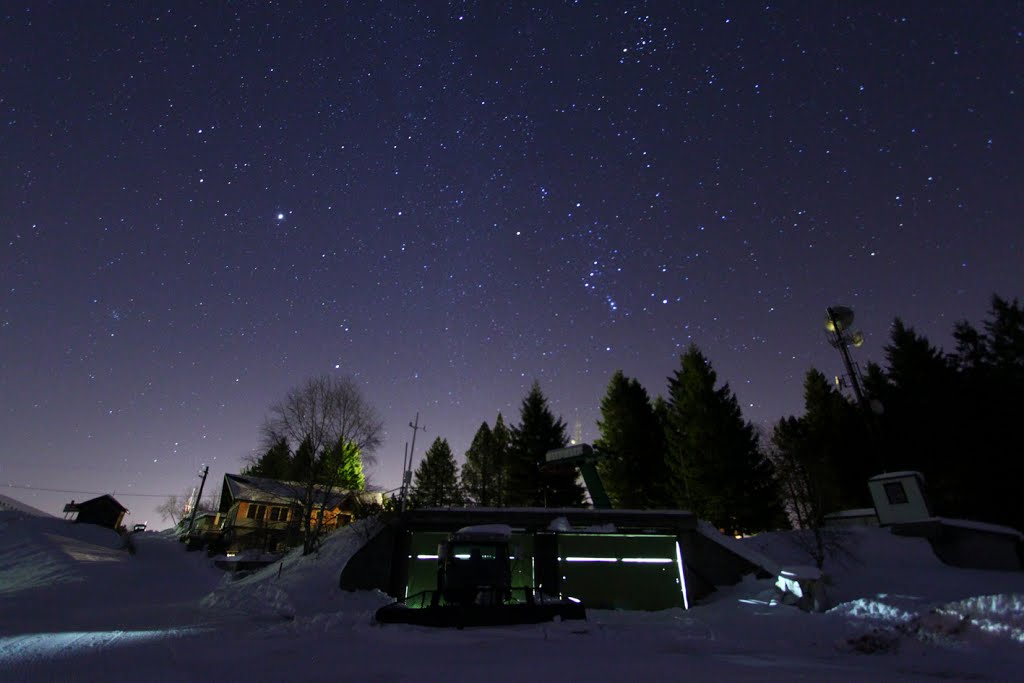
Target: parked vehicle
[[474, 588]]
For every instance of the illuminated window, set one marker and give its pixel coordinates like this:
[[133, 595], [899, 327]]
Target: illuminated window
[[895, 492]]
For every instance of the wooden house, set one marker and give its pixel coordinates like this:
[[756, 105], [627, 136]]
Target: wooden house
[[102, 511], [266, 514]]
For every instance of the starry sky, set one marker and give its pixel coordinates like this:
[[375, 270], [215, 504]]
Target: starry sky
[[202, 204]]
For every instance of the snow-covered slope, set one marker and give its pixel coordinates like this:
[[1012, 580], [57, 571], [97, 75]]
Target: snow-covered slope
[[299, 585], [58, 575], [8, 504], [165, 615]]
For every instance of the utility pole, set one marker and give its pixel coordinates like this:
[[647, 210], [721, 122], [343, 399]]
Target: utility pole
[[407, 474], [195, 505], [405, 470]]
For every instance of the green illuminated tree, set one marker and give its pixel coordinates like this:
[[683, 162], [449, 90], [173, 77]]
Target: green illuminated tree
[[349, 462]]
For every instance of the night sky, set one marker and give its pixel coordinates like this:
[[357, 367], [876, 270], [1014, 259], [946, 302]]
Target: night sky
[[203, 205]]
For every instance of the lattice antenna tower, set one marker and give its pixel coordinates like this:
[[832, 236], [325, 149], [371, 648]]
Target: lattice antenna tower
[[838, 324]]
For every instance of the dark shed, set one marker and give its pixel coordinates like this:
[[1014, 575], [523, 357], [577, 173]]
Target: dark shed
[[102, 511]]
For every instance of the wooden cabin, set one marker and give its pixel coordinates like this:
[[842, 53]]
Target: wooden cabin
[[266, 514]]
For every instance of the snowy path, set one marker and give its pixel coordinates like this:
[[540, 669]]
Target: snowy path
[[78, 608], [603, 649]]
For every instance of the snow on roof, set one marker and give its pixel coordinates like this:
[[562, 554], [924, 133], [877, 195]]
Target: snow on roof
[[709, 531], [981, 526], [74, 507], [489, 531], [13, 505], [854, 512], [263, 490], [801, 572]]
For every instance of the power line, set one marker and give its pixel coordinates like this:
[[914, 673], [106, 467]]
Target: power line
[[92, 493]]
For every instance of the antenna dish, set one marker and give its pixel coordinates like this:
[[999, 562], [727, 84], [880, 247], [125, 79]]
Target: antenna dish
[[858, 338], [838, 318]]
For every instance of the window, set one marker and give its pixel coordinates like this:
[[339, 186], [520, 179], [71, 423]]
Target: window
[[895, 492], [256, 512], [278, 514]]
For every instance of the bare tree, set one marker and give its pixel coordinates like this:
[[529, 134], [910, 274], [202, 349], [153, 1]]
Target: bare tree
[[209, 503], [318, 419], [806, 496], [171, 509], [176, 508]]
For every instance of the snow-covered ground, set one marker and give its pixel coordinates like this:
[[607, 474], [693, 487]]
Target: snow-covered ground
[[75, 606]]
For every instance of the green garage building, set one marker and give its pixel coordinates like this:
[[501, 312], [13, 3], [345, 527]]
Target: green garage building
[[609, 559]]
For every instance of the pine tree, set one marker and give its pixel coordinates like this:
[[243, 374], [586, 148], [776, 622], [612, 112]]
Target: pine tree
[[991, 371], [632, 441], [276, 463], [538, 432], [501, 440], [718, 469], [435, 482], [821, 459], [484, 475], [841, 433], [921, 427], [478, 470], [305, 462]]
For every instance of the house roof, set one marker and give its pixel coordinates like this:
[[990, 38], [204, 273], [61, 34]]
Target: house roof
[[106, 498], [271, 491]]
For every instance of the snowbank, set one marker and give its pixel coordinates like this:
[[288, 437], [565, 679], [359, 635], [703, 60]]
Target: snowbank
[[297, 584], [903, 616]]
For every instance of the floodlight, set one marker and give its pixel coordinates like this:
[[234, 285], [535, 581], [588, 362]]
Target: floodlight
[[838, 318]]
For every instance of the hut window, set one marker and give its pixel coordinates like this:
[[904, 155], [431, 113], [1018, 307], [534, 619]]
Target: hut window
[[895, 492], [256, 511], [278, 514]]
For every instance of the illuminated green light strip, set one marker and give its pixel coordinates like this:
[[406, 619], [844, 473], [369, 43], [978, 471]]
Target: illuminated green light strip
[[593, 535], [591, 559], [682, 576], [649, 560]]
